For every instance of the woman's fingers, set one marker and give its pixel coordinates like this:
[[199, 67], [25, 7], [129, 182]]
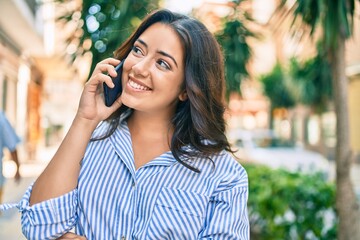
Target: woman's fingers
[[104, 71], [72, 236], [117, 103], [107, 66], [92, 104], [100, 78]]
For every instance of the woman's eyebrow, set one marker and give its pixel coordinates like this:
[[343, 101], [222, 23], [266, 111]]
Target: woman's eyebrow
[[159, 51], [142, 42], [167, 55]]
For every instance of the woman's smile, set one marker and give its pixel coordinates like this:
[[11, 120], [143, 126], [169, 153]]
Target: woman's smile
[[138, 86]]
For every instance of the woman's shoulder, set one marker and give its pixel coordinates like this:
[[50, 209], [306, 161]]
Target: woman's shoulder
[[227, 163], [222, 166], [103, 129], [100, 129], [230, 172]]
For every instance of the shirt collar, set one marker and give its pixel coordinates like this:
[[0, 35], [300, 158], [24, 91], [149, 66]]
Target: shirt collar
[[121, 141]]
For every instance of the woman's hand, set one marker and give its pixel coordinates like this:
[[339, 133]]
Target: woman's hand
[[92, 106], [72, 236]]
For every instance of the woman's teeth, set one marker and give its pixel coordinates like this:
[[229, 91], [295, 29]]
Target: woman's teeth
[[138, 86]]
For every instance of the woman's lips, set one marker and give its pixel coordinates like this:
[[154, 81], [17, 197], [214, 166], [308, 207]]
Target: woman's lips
[[138, 86]]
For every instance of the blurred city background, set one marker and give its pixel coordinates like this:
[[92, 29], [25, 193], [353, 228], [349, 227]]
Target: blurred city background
[[280, 68]]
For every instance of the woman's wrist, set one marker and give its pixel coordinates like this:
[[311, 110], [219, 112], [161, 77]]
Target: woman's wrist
[[84, 123]]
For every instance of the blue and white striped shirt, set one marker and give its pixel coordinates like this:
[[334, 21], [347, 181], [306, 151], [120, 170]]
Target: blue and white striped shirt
[[160, 200]]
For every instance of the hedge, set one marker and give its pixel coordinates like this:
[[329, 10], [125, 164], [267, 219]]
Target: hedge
[[288, 205]]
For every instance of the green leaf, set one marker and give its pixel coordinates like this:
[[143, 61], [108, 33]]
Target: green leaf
[[286, 205]]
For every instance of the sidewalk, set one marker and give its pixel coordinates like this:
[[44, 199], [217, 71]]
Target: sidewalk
[[10, 227]]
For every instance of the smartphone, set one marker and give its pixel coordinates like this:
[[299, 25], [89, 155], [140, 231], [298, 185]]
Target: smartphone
[[111, 94]]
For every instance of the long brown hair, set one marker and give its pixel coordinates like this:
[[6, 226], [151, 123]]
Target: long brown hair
[[199, 121]]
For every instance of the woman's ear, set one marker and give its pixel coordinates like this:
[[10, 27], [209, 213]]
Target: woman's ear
[[183, 96]]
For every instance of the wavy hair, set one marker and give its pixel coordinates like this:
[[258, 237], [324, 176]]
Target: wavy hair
[[199, 124]]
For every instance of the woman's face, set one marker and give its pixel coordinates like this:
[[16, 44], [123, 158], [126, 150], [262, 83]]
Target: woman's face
[[153, 72]]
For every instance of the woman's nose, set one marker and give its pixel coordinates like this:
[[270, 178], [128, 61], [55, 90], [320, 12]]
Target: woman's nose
[[142, 67]]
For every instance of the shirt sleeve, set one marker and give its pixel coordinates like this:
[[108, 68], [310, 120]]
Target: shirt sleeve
[[227, 216], [49, 219]]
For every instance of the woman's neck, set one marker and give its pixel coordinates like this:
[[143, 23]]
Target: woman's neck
[[150, 136], [150, 124]]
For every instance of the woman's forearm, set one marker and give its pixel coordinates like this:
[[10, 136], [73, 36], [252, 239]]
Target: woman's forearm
[[61, 174]]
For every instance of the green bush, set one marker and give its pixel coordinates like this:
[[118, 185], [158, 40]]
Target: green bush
[[286, 205]]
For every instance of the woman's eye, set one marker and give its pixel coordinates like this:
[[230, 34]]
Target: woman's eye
[[163, 64], [136, 50]]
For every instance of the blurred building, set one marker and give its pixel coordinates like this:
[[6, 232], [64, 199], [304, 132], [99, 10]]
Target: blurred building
[[21, 81], [353, 73], [39, 88], [278, 44]]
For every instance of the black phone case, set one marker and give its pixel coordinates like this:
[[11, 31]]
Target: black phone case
[[111, 94]]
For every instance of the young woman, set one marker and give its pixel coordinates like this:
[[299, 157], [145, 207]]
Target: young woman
[[157, 163]]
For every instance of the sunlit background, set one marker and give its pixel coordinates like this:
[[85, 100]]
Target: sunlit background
[[48, 48]]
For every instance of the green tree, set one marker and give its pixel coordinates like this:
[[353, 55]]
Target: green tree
[[312, 87], [105, 24], [334, 21], [276, 87], [312, 82], [237, 52]]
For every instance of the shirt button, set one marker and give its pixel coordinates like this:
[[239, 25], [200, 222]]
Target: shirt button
[[133, 184], [123, 238]]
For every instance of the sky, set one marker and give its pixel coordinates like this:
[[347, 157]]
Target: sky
[[185, 6], [182, 6]]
